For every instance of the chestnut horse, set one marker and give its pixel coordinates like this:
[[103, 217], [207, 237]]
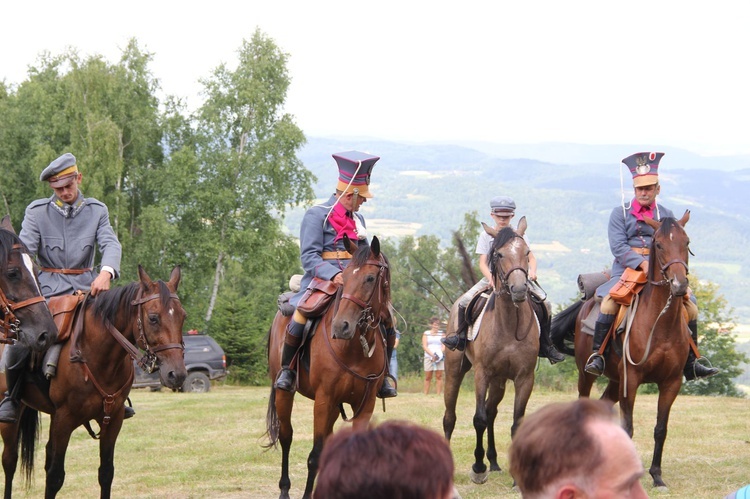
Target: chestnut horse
[[347, 359], [505, 348], [655, 349], [24, 316], [146, 315]]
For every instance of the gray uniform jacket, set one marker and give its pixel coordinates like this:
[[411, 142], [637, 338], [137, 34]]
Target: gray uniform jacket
[[314, 239], [65, 237], [625, 233]]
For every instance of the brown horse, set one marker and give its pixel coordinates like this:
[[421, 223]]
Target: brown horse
[[24, 316], [655, 348], [346, 360], [505, 348], [95, 384]]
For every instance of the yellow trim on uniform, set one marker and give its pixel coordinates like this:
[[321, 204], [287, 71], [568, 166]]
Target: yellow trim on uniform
[[67, 171]]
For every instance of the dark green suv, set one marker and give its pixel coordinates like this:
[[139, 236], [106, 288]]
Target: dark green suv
[[204, 360]]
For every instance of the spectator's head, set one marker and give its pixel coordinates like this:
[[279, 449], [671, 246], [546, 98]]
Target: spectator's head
[[575, 449], [397, 460]]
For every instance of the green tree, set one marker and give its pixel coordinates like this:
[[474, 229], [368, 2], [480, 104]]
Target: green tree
[[716, 341]]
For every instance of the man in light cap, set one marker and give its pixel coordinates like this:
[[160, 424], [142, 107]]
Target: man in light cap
[[630, 239], [502, 210], [323, 253], [63, 232]]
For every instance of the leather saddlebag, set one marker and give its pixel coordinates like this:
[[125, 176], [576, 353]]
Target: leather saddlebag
[[317, 297], [630, 284]]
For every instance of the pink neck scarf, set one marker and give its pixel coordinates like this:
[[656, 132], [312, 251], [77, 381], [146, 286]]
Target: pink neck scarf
[[640, 211], [342, 221]]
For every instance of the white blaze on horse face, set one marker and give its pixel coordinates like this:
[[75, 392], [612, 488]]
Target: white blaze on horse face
[[171, 311], [29, 264], [671, 236], [355, 270]]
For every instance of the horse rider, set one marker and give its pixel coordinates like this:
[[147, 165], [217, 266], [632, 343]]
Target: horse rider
[[630, 239], [323, 253], [502, 210], [63, 232]]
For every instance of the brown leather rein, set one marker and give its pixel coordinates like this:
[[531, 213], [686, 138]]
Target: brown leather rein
[[10, 325], [147, 362]]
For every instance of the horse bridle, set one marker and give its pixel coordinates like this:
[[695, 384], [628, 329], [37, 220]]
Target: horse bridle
[[664, 267], [367, 318], [10, 324], [499, 270], [148, 361]]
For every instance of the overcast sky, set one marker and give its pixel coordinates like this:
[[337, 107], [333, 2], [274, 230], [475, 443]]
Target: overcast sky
[[592, 72]]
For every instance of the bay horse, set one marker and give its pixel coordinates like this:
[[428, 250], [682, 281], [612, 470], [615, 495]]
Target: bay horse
[[655, 349], [24, 316], [505, 348], [95, 383], [347, 357]]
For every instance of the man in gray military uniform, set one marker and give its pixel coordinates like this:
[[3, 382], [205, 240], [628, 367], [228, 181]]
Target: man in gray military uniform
[[63, 232]]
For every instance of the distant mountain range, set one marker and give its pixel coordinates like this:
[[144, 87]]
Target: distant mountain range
[[566, 191]]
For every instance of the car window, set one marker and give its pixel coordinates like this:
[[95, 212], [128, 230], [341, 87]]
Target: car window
[[197, 345]]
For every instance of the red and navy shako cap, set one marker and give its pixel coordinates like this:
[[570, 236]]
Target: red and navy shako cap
[[354, 172], [644, 167]]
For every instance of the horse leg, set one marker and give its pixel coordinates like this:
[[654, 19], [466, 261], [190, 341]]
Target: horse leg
[[59, 438], [10, 455], [479, 469], [627, 403], [455, 370], [667, 396], [495, 396], [612, 392], [107, 441], [284, 403], [325, 415]]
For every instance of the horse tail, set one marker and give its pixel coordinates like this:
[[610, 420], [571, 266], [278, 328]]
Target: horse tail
[[28, 431], [272, 421], [564, 327]]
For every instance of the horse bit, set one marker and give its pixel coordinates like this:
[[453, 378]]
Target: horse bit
[[10, 324]]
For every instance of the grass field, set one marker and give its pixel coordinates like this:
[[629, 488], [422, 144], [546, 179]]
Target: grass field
[[182, 445]]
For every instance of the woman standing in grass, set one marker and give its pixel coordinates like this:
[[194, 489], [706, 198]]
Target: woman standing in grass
[[434, 360]]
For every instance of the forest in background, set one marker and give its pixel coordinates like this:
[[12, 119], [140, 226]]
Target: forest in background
[[219, 191]]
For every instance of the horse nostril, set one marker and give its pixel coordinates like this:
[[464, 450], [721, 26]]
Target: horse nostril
[[42, 338]]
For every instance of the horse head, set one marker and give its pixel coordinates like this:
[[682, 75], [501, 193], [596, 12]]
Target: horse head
[[365, 294], [509, 260], [669, 253], [24, 315], [160, 321]]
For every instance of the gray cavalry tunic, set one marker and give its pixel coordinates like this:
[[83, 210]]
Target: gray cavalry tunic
[[315, 237], [65, 237], [626, 233]]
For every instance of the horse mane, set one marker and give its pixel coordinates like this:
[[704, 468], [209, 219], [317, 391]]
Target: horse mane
[[7, 241], [501, 239], [109, 302], [664, 229], [360, 258]]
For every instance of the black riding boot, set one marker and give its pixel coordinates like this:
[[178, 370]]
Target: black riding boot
[[15, 367], [386, 389], [287, 377], [546, 349], [595, 364], [693, 368], [458, 340]]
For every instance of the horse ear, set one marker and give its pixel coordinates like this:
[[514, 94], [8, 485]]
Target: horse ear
[[174, 278], [521, 226], [350, 245], [145, 279], [375, 246], [652, 223], [5, 224], [489, 230], [684, 218]]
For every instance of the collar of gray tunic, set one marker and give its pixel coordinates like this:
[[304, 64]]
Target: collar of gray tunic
[[65, 209]]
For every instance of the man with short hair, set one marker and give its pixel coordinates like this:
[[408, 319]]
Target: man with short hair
[[630, 239], [575, 449], [323, 253], [63, 231]]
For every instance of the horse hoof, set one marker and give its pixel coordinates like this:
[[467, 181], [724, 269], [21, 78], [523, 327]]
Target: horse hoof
[[479, 478], [661, 488], [495, 467], [515, 489]]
